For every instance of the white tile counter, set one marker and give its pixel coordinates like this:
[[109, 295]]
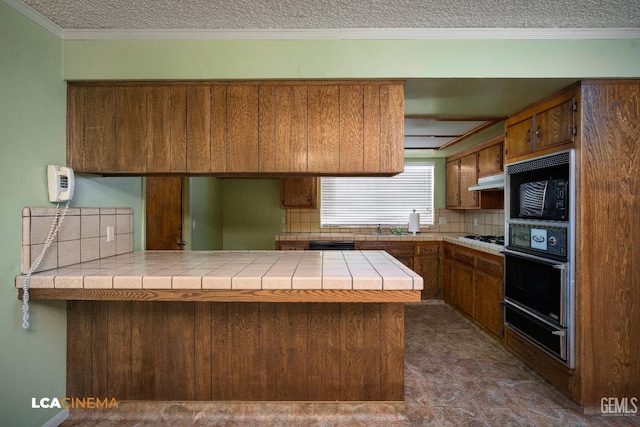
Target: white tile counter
[[256, 273]]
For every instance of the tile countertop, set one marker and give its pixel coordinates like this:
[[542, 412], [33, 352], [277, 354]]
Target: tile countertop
[[457, 238], [234, 270]]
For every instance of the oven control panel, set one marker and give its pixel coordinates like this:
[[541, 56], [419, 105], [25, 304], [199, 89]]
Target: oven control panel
[[541, 239]]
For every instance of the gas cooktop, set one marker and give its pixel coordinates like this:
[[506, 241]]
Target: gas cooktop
[[496, 240]]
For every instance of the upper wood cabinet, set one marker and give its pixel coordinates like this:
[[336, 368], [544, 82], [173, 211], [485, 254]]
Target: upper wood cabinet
[[463, 171], [299, 192], [542, 127], [319, 128], [490, 160]]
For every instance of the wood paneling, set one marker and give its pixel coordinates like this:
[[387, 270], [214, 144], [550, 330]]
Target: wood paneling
[[178, 123], [372, 145], [236, 351], [131, 129], [225, 128], [608, 257], [99, 151], [198, 129], [267, 126], [391, 128], [220, 130], [75, 127], [242, 128], [351, 129], [324, 109], [158, 122], [291, 129], [231, 295]]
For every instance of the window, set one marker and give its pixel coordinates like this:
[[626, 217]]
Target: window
[[369, 201]]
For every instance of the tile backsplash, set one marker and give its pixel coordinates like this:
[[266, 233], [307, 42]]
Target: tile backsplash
[[481, 222], [82, 235]]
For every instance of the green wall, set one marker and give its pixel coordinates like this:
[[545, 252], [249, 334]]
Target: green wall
[[251, 212], [205, 211], [304, 59], [32, 135]]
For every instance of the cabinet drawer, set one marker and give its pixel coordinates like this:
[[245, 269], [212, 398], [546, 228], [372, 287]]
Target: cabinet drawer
[[462, 256], [493, 267], [430, 249]]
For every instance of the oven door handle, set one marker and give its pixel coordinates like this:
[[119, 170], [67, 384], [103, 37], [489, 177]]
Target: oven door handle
[[556, 264]]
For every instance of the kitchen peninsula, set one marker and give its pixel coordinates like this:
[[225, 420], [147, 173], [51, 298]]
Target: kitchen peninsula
[[235, 325]]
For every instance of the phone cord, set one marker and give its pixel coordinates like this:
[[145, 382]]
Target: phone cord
[[27, 278]]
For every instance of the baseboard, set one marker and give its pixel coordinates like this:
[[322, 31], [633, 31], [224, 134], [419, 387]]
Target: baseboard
[[58, 419]]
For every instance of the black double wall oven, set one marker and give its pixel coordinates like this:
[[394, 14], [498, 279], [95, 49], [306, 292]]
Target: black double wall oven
[[539, 286]]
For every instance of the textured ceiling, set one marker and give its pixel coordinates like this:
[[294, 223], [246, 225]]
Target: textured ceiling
[[335, 14]]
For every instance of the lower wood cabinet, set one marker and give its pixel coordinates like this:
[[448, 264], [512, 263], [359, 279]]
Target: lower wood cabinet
[[420, 256], [472, 283]]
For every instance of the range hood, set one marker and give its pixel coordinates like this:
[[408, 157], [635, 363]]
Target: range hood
[[494, 182]]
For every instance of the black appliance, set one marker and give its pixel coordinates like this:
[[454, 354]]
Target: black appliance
[[543, 199], [539, 295], [331, 245]]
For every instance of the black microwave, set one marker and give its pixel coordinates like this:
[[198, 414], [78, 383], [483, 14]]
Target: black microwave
[[546, 199]]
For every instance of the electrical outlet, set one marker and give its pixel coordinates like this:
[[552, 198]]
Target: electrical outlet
[[442, 220], [111, 235], [475, 222], [282, 220]]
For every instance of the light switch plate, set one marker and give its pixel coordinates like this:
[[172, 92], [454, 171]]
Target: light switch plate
[[111, 235]]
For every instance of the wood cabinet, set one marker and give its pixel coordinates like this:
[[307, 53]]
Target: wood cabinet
[[463, 171], [230, 128], [490, 159], [472, 282], [607, 190], [295, 245], [545, 125], [426, 263], [299, 192]]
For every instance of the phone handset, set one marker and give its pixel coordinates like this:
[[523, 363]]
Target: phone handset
[[60, 182]]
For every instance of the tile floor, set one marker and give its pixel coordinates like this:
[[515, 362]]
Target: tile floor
[[455, 376]]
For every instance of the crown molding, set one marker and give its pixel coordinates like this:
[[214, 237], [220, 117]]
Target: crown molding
[[359, 34], [37, 17], [329, 34]]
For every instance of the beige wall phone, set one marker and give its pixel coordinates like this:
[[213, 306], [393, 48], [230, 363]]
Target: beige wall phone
[[60, 181]]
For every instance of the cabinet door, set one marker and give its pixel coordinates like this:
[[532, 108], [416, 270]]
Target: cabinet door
[[324, 127], [99, 148], [159, 129], [242, 128], [198, 129], [299, 192], [351, 129], [447, 280], [267, 125], [391, 128], [518, 139], [220, 153], [487, 307], [453, 184], [429, 269], [468, 177], [554, 126], [131, 129], [463, 288], [75, 127], [291, 128], [490, 160]]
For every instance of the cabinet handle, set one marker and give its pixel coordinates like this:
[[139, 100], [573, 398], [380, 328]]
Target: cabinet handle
[[538, 133], [529, 135]]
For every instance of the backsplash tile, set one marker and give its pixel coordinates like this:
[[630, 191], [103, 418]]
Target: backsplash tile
[[487, 222], [81, 238]]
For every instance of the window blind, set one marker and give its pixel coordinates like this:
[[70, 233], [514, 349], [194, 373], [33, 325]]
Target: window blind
[[369, 201]]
